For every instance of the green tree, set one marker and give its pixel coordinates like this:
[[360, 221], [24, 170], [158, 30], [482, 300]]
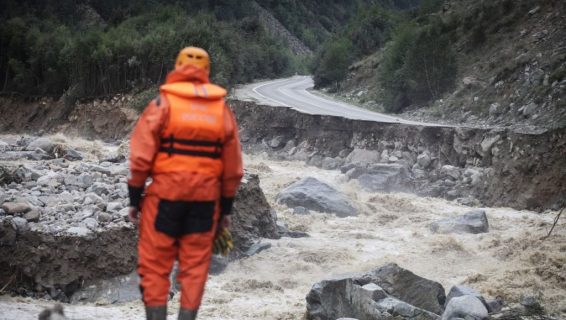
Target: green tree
[[419, 66], [333, 64]]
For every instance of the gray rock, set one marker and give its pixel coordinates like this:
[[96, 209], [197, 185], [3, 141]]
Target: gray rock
[[72, 155], [366, 296], [251, 218], [96, 168], [114, 206], [16, 207], [495, 305], [21, 224], [331, 163], [90, 223], [471, 222], [488, 142], [42, 143], [33, 215], [78, 231], [257, 248], [461, 290], [300, 210], [531, 303], [400, 309], [450, 171], [363, 156], [374, 292], [424, 160], [51, 179], [2, 212], [104, 217], [384, 157], [316, 195], [124, 213], [25, 173], [84, 180], [38, 154], [529, 109], [466, 307], [277, 142], [100, 188], [355, 172], [408, 287], [315, 160], [121, 170], [384, 178], [93, 198], [419, 174]]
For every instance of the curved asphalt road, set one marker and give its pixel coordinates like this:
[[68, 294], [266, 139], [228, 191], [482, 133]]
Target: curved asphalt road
[[293, 92]]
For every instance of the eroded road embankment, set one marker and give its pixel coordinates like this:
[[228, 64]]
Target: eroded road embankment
[[496, 167]]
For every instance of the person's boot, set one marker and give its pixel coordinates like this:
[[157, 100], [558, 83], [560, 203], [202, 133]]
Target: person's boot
[[156, 313], [186, 314]]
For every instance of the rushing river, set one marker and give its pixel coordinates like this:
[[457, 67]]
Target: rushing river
[[509, 261]]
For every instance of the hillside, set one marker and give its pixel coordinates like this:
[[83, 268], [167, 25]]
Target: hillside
[[86, 49], [509, 66]]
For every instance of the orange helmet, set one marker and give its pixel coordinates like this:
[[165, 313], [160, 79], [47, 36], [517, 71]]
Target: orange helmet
[[193, 56]]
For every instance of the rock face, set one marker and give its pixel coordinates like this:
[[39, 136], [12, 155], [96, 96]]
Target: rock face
[[251, 217], [313, 194], [471, 222], [384, 293]]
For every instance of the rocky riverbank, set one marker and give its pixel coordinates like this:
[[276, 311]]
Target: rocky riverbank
[[63, 216]]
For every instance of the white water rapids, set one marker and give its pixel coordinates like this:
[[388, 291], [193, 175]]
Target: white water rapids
[[509, 261]]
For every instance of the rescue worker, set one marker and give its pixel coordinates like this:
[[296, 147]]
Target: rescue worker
[[186, 140]]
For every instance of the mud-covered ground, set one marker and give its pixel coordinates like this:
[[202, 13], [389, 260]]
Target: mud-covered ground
[[510, 261]]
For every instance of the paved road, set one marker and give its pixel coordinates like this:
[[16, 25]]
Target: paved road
[[293, 92]]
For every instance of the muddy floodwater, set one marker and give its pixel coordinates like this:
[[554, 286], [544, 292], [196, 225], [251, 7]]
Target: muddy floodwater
[[510, 261]]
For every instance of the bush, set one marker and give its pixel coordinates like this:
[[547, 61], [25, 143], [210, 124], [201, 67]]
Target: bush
[[333, 63], [419, 66]]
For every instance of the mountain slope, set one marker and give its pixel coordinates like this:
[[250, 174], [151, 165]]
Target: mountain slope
[[510, 60], [88, 48]]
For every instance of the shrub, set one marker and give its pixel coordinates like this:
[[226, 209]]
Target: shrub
[[419, 66], [333, 63]]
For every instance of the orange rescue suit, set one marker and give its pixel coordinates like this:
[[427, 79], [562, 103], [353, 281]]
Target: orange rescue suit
[[186, 140]]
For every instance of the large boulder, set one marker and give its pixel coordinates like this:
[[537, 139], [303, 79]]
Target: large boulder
[[384, 293], [252, 218], [474, 221], [316, 195], [407, 286], [385, 178], [42, 143]]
